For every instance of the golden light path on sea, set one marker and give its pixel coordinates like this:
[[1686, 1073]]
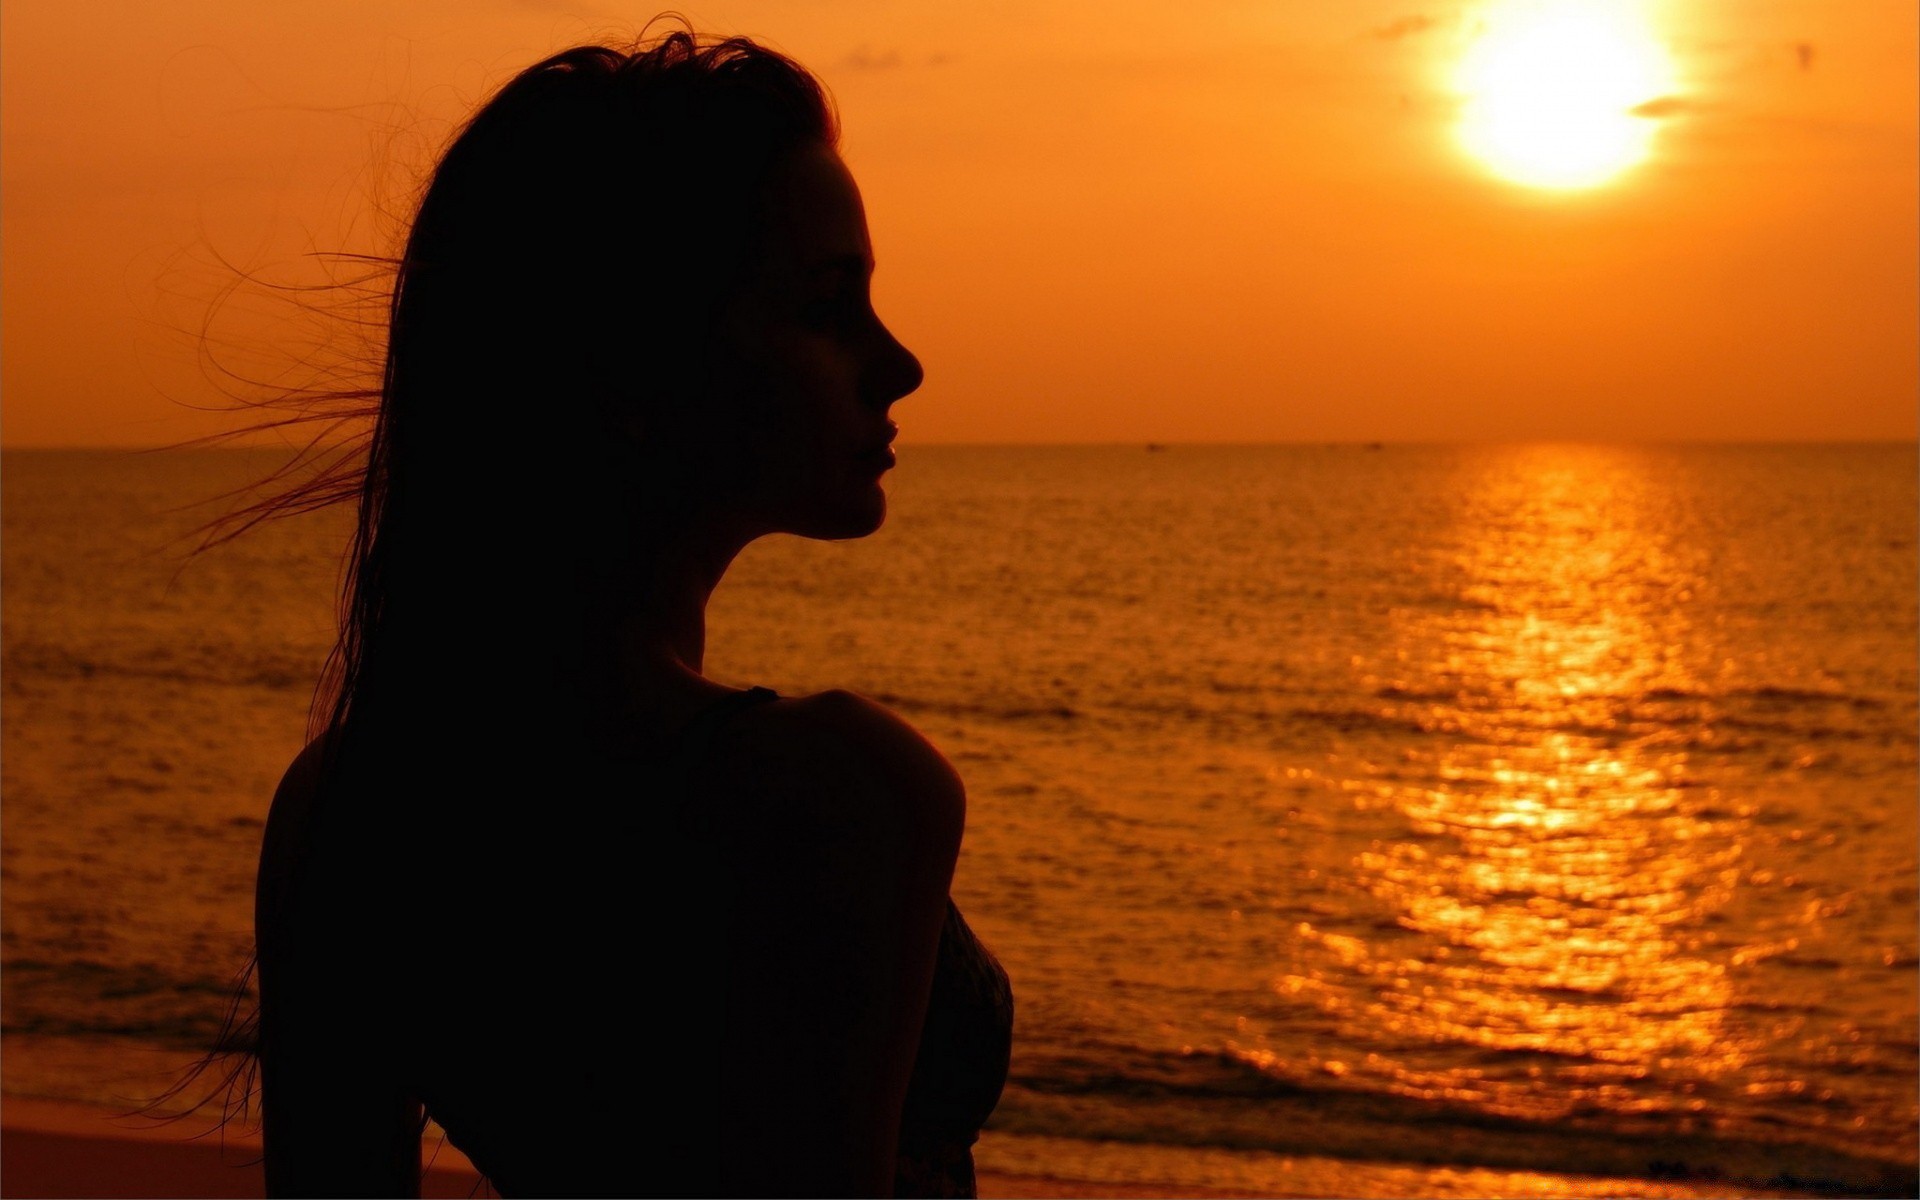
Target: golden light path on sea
[[1557, 874]]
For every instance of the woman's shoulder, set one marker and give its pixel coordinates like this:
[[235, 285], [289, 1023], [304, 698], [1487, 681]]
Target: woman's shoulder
[[841, 720], [836, 756], [289, 820]]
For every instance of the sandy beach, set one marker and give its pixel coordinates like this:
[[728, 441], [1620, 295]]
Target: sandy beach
[[52, 1148], [57, 1149]]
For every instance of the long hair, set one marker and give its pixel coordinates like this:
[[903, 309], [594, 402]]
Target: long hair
[[558, 289]]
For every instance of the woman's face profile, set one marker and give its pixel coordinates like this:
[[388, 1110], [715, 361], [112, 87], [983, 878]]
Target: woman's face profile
[[808, 371]]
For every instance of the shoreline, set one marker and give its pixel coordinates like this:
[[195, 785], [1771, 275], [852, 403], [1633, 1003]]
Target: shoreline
[[61, 1148]]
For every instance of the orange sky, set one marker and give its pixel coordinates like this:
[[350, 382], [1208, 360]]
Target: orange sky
[[1217, 221]]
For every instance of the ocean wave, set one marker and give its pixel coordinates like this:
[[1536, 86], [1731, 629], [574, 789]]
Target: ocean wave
[[1362, 720], [1733, 720], [278, 672], [85, 998], [1012, 711], [1773, 694], [1215, 1098]]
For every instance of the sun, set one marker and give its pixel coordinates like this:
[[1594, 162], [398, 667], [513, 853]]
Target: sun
[[1551, 88]]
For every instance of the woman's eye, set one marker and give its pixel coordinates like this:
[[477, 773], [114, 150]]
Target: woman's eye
[[838, 311]]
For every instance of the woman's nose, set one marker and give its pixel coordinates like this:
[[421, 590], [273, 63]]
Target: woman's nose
[[897, 372]]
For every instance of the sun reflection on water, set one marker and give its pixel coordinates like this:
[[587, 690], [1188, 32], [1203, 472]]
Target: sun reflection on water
[[1555, 874]]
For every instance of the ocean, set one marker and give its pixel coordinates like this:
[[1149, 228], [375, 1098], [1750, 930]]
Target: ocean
[[1513, 807]]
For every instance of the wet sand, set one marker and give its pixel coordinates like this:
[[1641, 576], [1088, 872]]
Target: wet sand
[[57, 1149], [60, 1149]]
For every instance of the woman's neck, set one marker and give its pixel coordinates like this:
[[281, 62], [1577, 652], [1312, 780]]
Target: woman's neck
[[660, 629]]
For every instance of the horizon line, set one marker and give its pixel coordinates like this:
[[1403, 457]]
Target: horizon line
[[1360, 442]]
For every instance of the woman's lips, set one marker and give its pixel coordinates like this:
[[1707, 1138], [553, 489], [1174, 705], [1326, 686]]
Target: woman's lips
[[881, 458]]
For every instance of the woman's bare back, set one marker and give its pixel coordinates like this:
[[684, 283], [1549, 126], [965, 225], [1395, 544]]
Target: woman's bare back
[[806, 898]]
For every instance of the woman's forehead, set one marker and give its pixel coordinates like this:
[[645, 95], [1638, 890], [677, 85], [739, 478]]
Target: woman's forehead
[[814, 210]]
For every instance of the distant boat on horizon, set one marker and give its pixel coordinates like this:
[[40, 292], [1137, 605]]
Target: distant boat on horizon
[[1156, 447]]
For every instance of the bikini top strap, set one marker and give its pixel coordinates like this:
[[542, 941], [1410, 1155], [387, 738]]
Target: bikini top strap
[[706, 724]]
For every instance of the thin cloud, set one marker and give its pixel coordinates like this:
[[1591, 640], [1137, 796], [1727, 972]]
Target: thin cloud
[[1403, 27], [865, 59], [1661, 107]]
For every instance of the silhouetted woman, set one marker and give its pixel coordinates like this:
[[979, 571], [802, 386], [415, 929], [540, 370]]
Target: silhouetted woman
[[618, 928]]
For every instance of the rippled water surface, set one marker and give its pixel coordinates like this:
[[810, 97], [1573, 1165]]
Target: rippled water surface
[[1527, 806]]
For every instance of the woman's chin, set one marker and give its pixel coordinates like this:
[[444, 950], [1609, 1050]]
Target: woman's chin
[[854, 516], [868, 520]]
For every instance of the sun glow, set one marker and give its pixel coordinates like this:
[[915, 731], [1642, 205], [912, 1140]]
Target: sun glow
[[1555, 90]]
